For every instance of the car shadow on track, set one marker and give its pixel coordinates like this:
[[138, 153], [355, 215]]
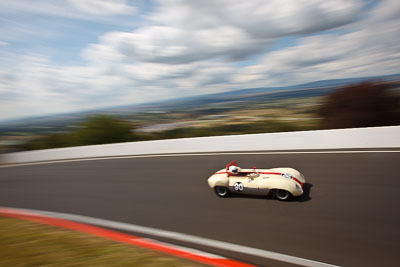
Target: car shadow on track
[[305, 197]]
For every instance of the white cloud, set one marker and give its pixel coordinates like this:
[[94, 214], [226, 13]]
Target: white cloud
[[385, 11], [103, 7], [34, 85], [372, 48], [66, 8], [169, 45], [187, 31], [195, 47], [261, 18], [108, 11]]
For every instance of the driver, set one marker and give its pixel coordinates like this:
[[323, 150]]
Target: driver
[[233, 169]]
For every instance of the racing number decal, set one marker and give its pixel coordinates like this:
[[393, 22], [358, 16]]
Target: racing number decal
[[238, 186]]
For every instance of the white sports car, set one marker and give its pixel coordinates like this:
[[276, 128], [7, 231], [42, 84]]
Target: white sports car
[[283, 183]]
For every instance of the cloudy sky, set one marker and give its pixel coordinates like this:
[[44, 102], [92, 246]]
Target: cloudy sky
[[70, 55]]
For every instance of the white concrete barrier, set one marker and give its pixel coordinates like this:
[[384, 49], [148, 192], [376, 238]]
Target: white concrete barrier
[[374, 137]]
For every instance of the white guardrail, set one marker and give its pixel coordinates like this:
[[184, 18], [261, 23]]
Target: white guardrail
[[374, 137]]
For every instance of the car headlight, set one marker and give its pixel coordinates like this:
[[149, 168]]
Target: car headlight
[[286, 175], [298, 187]]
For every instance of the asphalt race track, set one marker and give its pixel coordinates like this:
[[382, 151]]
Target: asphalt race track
[[349, 215]]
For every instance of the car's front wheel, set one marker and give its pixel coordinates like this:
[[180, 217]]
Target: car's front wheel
[[221, 191], [281, 194]]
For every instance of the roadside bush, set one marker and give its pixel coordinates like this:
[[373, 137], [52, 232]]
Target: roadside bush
[[362, 105], [99, 129], [102, 129]]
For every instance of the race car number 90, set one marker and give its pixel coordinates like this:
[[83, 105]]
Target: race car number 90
[[238, 186]]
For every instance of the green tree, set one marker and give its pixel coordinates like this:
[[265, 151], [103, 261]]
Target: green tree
[[102, 129], [50, 141], [362, 105]]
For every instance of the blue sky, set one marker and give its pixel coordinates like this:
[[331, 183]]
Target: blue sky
[[71, 55]]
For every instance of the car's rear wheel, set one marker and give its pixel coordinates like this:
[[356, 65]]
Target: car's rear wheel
[[221, 191], [282, 194]]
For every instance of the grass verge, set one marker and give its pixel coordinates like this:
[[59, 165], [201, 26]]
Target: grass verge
[[25, 243]]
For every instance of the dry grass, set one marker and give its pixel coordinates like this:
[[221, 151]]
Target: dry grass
[[24, 243]]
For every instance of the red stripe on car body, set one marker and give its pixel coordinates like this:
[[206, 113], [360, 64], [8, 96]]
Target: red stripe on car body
[[297, 180], [273, 173]]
